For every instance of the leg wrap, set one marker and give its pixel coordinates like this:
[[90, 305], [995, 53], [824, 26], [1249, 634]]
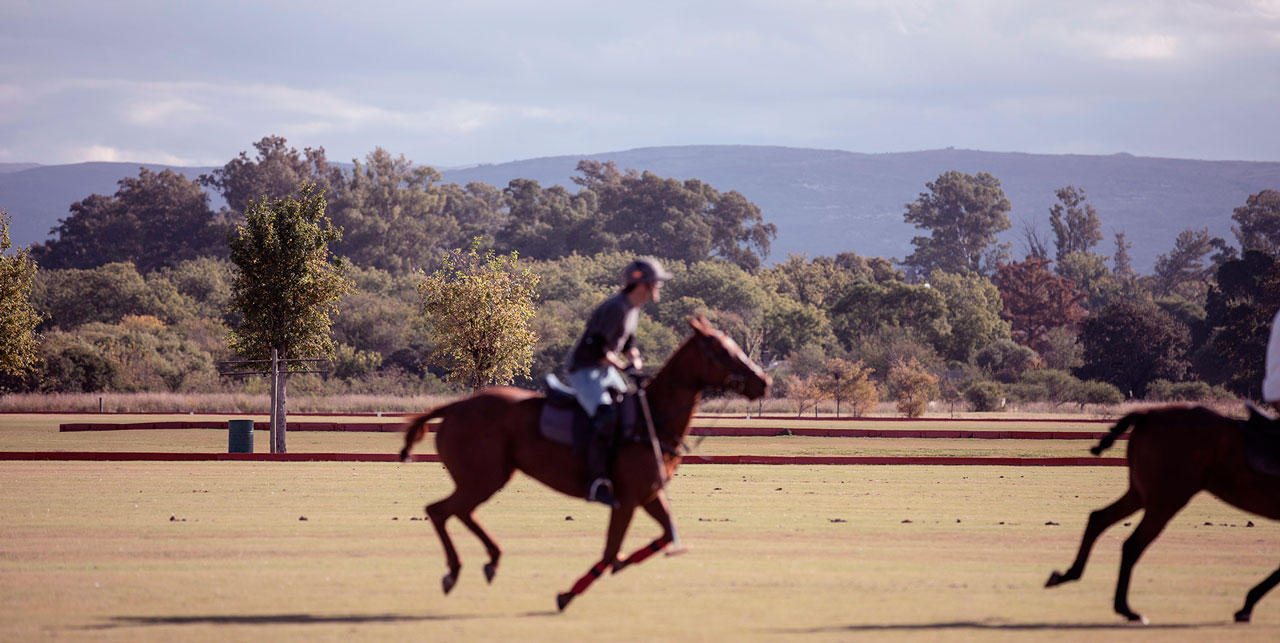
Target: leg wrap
[[588, 578]]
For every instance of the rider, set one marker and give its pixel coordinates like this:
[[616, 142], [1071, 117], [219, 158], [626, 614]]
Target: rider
[[595, 363], [1271, 377]]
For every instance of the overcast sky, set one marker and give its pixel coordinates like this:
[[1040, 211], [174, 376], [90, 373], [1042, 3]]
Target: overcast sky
[[456, 83]]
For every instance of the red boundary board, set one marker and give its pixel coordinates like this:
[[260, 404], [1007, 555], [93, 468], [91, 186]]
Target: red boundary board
[[739, 431], [124, 456]]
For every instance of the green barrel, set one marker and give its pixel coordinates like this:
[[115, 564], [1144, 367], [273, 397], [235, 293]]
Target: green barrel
[[240, 436]]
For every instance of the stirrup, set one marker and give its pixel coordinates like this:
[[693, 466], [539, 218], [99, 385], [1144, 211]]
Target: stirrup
[[602, 492]]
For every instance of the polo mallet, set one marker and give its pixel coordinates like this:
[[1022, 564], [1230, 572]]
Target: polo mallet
[[676, 547]]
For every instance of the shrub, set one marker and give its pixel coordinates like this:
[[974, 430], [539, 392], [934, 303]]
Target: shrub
[[1005, 360], [1167, 391], [1095, 392], [985, 395], [912, 386]]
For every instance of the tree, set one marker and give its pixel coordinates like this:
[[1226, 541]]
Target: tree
[[805, 392], [912, 387], [1258, 222], [391, 214], [1238, 313], [73, 297], [1005, 360], [963, 214], [545, 223], [689, 220], [18, 318], [1036, 300], [479, 309], [973, 308], [276, 172], [154, 220], [287, 283], [845, 380], [866, 308], [1074, 221], [1131, 343], [1182, 270]]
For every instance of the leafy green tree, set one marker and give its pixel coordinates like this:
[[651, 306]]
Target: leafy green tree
[[1238, 313], [1183, 270], [1005, 360], [277, 171], [1131, 343], [479, 309], [287, 283], [391, 214], [912, 387], [689, 220], [70, 364], [1258, 222], [149, 356], [1096, 392], [1092, 277], [18, 318], [866, 308], [985, 396], [788, 325], [157, 219], [71, 297], [963, 214], [478, 209], [545, 223], [973, 308], [1075, 223]]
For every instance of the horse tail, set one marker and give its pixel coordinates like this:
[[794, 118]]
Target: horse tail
[[1123, 425], [416, 428]]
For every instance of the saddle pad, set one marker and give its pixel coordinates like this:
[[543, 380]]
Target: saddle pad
[[568, 425]]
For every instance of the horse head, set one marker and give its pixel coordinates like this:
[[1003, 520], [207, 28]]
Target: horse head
[[723, 364]]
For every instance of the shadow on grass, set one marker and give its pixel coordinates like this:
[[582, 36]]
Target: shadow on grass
[[274, 619], [998, 626]]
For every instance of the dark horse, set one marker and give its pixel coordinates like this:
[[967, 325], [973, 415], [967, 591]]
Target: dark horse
[[1174, 453], [484, 438]]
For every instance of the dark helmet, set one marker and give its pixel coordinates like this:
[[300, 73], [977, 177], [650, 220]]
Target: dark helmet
[[644, 270]]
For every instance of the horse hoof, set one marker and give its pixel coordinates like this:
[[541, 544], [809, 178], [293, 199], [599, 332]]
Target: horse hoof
[[562, 600], [1055, 579], [490, 570], [448, 582], [1135, 618], [676, 551], [1243, 616]]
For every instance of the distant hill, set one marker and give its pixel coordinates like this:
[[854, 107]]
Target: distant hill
[[823, 201]]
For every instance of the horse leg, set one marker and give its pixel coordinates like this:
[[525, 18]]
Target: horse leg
[[1255, 595], [657, 509], [439, 512], [1099, 521], [490, 568], [619, 520], [462, 503], [1152, 523]]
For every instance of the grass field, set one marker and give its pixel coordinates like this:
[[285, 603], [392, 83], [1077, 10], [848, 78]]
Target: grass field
[[161, 551]]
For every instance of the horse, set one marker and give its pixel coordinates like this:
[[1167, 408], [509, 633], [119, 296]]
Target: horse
[[483, 439], [1174, 453]]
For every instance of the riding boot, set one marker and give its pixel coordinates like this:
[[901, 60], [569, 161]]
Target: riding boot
[[599, 450]]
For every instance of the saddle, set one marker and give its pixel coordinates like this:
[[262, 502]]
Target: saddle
[[564, 422], [1261, 442]]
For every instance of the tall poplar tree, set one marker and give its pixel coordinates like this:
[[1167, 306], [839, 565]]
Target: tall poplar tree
[[287, 283]]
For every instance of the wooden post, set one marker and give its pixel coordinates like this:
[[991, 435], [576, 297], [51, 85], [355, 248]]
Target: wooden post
[[282, 397], [275, 390]]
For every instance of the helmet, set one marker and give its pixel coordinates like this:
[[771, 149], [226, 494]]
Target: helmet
[[644, 270]]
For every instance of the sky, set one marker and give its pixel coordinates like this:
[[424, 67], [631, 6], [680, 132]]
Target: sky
[[456, 83]]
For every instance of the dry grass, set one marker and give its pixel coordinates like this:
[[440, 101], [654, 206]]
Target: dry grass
[[217, 551]]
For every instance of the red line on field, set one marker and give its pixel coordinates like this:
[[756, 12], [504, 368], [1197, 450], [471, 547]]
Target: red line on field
[[121, 456], [736, 431]]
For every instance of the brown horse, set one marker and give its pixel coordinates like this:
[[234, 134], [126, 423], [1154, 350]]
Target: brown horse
[[483, 439], [1174, 453]]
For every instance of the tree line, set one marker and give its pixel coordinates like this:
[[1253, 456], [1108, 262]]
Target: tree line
[[137, 290]]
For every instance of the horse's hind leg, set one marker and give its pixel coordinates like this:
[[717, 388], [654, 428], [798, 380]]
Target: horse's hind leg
[[461, 504], [1256, 595], [1099, 521], [490, 568], [1153, 522]]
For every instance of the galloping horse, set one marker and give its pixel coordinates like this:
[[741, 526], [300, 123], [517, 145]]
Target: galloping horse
[[1174, 453], [484, 438]]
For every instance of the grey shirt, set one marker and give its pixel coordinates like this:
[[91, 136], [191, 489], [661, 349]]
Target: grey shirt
[[612, 327]]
